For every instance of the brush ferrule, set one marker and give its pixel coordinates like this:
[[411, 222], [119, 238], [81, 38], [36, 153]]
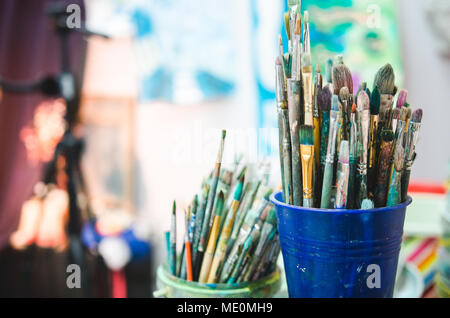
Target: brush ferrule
[[362, 169], [307, 153]]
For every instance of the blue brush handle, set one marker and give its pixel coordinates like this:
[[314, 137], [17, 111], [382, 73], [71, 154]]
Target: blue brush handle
[[394, 189]]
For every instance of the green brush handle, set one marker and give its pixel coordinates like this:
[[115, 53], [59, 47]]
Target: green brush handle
[[394, 189], [326, 187]]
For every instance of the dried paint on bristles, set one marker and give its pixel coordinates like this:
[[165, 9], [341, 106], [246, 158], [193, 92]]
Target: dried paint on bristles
[[396, 114], [354, 108], [341, 76], [335, 103], [363, 101], [401, 100], [344, 93], [385, 80], [306, 135], [174, 207], [408, 113], [324, 99], [344, 152], [417, 115], [375, 100], [224, 133], [403, 113]]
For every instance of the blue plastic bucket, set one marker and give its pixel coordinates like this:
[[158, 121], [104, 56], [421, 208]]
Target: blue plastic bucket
[[340, 253]]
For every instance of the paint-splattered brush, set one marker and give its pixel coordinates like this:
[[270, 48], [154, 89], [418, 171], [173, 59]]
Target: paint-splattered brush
[[307, 83], [188, 251], [411, 142], [211, 247], [281, 100], [387, 142], [385, 81], [363, 108], [344, 96], [341, 77], [318, 81], [222, 245], [343, 172], [373, 140], [296, 51], [395, 116], [367, 204], [331, 149], [198, 230], [401, 99], [173, 241], [324, 101], [294, 93], [353, 148], [206, 226], [307, 154]]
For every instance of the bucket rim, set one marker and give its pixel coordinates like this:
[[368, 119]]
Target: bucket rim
[[276, 202]]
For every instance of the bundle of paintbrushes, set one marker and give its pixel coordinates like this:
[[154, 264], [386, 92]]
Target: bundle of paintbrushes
[[230, 229], [338, 150]]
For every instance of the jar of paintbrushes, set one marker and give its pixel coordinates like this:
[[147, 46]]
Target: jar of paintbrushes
[[345, 160], [231, 243]]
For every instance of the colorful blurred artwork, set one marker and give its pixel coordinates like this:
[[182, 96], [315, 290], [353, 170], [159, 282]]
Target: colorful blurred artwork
[[365, 32], [185, 49]]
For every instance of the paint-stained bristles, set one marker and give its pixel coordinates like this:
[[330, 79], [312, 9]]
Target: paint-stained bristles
[[385, 80], [286, 24], [363, 101], [324, 99], [306, 135], [417, 116], [375, 101]]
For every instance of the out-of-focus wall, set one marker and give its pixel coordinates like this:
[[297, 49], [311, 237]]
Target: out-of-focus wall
[[427, 78]]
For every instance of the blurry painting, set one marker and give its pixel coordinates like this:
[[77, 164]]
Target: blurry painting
[[178, 59]]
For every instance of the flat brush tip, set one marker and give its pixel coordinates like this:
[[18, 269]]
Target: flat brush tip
[[335, 103], [224, 133], [298, 25], [306, 135], [417, 115], [344, 152], [375, 101]]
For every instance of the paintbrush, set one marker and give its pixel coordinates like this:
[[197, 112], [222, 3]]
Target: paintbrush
[[209, 254], [353, 147], [296, 52], [294, 92], [283, 61], [267, 233], [266, 259], [328, 73], [331, 148], [344, 96], [317, 168], [411, 141], [250, 220], [343, 172], [394, 119], [222, 247], [187, 248], [373, 140], [173, 241], [341, 77], [307, 155], [394, 190], [385, 81], [307, 88], [306, 36], [324, 101], [363, 108], [281, 107], [167, 238], [198, 229], [287, 25], [361, 87], [386, 146], [206, 226], [287, 161], [182, 265]]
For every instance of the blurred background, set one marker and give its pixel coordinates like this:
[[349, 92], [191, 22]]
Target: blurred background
[[112, 109]]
